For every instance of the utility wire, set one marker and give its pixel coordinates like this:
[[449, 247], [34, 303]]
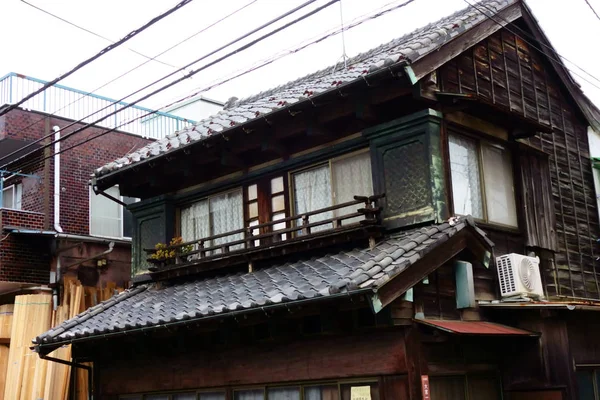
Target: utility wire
[[117, 102], [220, 20], [505, 26], [108, 48], [316, 40], [194, 72], [592, 8], [93, 33]]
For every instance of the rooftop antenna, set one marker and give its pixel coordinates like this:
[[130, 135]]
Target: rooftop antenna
[[344, 56]]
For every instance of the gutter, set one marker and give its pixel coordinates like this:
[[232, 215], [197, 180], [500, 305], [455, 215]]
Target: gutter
[[39, 348], [57, 226], [111, 246]]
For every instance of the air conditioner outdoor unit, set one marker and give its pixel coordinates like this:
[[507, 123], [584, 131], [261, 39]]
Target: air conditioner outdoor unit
[[519, 276]]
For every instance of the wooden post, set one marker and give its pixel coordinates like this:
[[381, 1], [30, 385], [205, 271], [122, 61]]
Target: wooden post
[[416, 363], [200, 247], [305, 229]]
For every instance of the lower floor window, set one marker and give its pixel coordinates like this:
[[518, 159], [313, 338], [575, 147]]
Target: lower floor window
[[588, 383], [465, 387], [326, 391]]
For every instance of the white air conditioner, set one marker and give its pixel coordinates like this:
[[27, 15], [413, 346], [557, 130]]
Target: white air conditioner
[[519, 276]]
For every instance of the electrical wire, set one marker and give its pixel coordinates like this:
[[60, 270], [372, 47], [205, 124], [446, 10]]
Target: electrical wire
[[194, 72], [92, 32], [356, 22], [117, 102], [505, 26], [220, 20], [592, 8], [102, 52]]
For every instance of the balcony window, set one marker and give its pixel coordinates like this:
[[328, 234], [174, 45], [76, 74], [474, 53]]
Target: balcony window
[[212, 216], [107, 217], [332, 183], [482, 180], [12, 196]]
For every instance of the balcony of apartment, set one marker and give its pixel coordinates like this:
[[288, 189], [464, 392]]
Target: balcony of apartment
[[74, 104], [348, 222], [19, 211]]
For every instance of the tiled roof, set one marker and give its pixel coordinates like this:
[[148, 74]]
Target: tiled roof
[[408, 48], [154, 305]]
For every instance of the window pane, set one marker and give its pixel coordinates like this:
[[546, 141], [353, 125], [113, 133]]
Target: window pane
[[327, 392], [447, 387], [211, 396], [466, 186], [351, 177], [105, 214], [347, 390], [195, 223], [277, 185], [255, 394], [18, 196], [312, 191], [226, 215], [253, 210], [7, 197], [280, 225], [255, 232], [483, 387], [278, 203], [252, 192], [184, 396], [585, 384], [499, 188], [283, 393]]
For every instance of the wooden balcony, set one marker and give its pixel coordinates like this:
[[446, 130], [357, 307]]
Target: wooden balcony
[[311, 230]]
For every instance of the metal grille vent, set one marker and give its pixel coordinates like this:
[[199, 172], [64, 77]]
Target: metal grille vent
[[505, 276], [527, 273]]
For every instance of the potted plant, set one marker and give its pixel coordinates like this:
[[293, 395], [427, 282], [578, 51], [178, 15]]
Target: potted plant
[[165, 255]]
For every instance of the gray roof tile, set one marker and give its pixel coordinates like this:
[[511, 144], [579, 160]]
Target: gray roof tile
[[157, 304], [407, 48]]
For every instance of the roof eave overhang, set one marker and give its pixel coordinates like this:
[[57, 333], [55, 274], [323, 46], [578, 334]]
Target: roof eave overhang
[[393, 71], [470, 237]]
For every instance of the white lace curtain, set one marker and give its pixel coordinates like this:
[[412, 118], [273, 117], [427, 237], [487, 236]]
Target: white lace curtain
[[351, 177], [312, 191], [218, 214]]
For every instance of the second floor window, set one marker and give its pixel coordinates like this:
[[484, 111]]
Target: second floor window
[[11, 196], [107, 217], [332, 183], [212, 216], [482, 180]]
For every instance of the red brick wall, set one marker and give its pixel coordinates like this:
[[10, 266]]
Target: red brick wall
[[24, 257]]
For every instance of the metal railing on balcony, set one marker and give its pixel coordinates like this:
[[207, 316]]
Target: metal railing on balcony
[[74, 104], [362, 212]]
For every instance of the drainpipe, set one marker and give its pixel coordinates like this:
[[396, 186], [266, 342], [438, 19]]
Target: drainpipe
[[57, 227]]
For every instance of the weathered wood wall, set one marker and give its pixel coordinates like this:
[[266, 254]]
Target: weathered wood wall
[[147, 366], [508, 73]]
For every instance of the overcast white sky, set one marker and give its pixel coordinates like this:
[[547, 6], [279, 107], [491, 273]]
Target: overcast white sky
[[38, 45]]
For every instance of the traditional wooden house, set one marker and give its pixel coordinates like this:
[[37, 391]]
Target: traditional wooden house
[[366, 232]]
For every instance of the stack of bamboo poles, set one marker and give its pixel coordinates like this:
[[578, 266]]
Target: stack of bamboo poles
[[6, 316], [28, 377]]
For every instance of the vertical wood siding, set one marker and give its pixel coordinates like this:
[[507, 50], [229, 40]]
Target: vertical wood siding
[[505, 71]]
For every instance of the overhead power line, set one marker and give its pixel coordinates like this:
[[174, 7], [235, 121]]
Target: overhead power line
[[492, 16], [317, 39], [108, 48], [92, 32], [220, 20], [592, 8], [194, 72]]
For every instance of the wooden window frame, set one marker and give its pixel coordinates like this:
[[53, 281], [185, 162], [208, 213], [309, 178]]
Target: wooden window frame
[[329, 162], [479, 138]]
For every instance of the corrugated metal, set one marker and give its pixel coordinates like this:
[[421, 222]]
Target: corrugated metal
[[476, 328]]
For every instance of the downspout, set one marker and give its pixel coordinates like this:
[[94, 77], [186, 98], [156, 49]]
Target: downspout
[[57, 227]]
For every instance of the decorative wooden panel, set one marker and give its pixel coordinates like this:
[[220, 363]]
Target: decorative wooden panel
[[505, 71]]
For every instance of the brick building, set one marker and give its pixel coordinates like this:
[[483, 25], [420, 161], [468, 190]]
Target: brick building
[[52, 222]]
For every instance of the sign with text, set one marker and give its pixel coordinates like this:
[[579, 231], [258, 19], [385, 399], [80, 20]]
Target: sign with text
[[360, 393], [425, 387]]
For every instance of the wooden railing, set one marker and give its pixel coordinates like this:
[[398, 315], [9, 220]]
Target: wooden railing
[[297, 227]]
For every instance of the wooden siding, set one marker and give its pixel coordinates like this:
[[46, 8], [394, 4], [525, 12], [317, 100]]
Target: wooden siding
[[154, 366], [504, 71]]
